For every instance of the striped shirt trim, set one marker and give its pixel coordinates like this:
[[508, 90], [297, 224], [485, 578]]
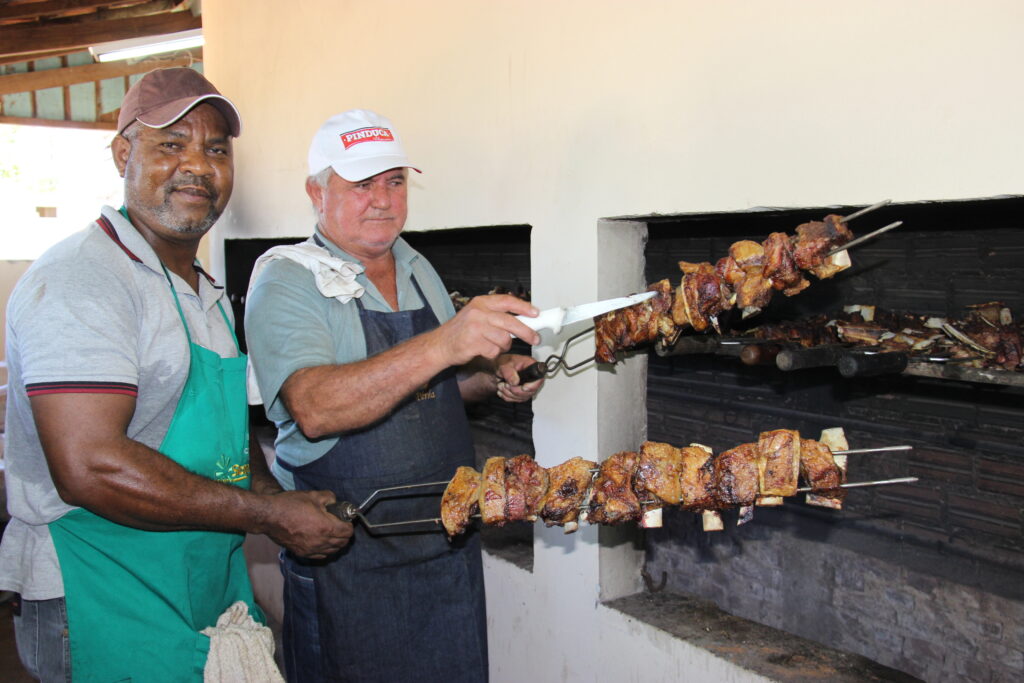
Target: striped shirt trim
[[108, 228], [44, 388]]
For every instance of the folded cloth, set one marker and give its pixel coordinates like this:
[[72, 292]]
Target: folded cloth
[[335, 278], [241, 651]]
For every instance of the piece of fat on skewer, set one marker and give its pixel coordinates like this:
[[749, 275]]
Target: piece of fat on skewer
[[835, 439], [711, 520], [651, 519]]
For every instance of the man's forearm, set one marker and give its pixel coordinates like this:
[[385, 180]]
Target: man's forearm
[[332, 399]]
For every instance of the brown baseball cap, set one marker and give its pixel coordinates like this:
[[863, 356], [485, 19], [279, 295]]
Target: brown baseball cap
[[163, 96]]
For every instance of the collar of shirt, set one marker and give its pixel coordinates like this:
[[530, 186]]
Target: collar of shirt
[[132, 240], [405, 258]]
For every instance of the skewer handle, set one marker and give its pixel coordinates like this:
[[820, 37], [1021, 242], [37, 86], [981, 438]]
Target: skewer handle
[[344, 510], [759, 354], [532, 373], [855, 364]]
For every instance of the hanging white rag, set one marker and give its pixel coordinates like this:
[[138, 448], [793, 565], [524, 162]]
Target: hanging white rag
[[335, 278], [241, 651]]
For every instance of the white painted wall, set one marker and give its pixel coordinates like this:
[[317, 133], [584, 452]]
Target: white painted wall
[[557, 114]]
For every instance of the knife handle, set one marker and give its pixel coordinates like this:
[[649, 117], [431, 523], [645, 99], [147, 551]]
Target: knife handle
[[532, 373], [550, 319]]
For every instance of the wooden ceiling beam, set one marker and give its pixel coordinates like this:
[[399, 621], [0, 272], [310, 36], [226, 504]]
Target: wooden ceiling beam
[[57, 78], [17, 59], [57, 123], [52, 8], [26, 40]]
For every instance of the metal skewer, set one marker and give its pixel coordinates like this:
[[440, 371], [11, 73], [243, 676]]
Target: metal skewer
[[861, 484], [867, 209], [864, 238], [857, 451]]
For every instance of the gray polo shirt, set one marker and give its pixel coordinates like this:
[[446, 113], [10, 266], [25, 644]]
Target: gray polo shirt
[[93, 315], [289, 325]]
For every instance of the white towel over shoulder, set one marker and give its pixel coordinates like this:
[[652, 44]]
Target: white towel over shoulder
[[335, 279], [241, 651]]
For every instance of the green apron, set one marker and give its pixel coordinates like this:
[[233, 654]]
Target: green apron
[[137, 600]]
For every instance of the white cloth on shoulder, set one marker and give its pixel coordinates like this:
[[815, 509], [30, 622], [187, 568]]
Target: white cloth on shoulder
[[335, 278], [241, 651]]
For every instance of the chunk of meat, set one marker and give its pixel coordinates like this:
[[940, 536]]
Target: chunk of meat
[[614, 501], [526, 482], [567, 488], [737, 475], [815, 239], [658, 472], [492, 492], [697, 478], [779, 462], [818, 468], [634, 325], [780, 265], [704, 292], [461, 500]]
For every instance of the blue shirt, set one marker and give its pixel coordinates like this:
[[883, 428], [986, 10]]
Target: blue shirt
[[290, 325]]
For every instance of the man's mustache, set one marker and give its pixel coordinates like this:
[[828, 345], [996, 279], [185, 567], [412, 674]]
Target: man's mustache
[[190, 180]]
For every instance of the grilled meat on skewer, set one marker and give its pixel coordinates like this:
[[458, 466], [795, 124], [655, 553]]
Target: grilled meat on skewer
[[634, 325], [461, 500], [526, 482], [698, 478], [659, 473], [614, 501], [737, 475], [833, 439], [636, 485], [492, 492], [747, 277], [568, 486], [704, 293], [816, 239], [778, 465]]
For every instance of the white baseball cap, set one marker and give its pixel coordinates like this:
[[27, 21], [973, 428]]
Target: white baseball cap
[[357, 144]]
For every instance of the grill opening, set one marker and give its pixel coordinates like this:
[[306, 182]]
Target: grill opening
[[926, 578]]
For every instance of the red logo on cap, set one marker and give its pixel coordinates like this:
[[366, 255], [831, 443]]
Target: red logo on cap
[[373, 134]]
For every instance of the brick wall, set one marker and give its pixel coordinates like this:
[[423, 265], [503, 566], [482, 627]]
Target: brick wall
[[927, 578]]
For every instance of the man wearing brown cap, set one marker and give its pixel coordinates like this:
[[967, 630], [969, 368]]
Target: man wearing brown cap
[[128, 476]]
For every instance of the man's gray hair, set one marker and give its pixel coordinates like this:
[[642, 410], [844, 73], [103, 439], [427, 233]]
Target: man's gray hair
[[323, 177]]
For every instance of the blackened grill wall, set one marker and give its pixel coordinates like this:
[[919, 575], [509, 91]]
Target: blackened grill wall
[[927, 578]]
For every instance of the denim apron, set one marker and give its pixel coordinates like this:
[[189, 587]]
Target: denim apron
[[137, 600], [401, 606]]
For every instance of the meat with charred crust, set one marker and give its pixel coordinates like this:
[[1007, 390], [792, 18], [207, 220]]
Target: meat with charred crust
[[697, 490], [461, 500], [492, 492], [567, 488], [526, 482], [736, 475], [658, 473], [614, 501], [779, 462], [634, 325]]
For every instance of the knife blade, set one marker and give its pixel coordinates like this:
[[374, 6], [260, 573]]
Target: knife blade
[[556, 318]]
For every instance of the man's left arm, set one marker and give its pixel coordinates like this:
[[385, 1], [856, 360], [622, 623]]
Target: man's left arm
[[261, 479], [483, 378]]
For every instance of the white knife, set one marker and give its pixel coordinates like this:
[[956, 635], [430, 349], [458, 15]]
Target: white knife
[[556, 318]]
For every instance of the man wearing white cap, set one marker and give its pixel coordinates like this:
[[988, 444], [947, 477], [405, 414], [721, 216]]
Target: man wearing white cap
[[364, 366], [128, 475]]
